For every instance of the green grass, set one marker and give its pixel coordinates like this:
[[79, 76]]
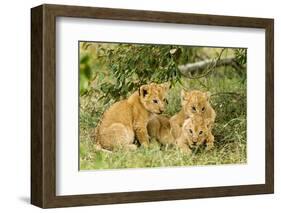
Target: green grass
[[228, 100], [156, 156]]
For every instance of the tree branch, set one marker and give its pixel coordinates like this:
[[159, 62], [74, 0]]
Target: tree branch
[[188, 69]]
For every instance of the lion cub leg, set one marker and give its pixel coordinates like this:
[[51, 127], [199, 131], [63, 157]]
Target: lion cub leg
[[176, 130], [117, 136], [142, 134], [183, 145], [210, 141]]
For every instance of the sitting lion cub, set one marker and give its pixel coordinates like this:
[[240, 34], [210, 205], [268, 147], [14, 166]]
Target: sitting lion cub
[[193, 103], [128, 118], [194, 132]]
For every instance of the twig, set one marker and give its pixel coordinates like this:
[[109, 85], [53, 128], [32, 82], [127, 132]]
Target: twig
[[229, 93], [209, 64]]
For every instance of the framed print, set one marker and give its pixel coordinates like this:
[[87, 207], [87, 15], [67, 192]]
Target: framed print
[[136, 106]]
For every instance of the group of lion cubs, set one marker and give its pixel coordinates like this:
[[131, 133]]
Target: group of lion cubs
[[139, 117]]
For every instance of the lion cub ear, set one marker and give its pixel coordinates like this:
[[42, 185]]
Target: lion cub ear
[[143, 90], [186, 122], [166, 86], [208, 95]]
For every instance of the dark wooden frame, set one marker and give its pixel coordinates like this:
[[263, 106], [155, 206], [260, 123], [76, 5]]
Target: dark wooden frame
[[43, 105]]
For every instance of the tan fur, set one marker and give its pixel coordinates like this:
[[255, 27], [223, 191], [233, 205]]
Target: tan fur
[[193, 103], [128, 119], [191, 136], [195, 131], [159, 128]]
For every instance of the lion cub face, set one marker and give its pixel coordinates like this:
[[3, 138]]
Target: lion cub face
[[153, 97], [195, 102], [195, 130]]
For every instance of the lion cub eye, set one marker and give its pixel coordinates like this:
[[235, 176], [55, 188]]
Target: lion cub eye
[[203, 109], [190, 131], [200, 133], [193, 109], [155, 101]]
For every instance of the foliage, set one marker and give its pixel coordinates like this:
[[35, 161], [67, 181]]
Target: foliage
[[131, 66], [241, 56], [85, 73], [134, 65]]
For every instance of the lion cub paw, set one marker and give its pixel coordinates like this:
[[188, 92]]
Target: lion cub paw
[[209, 146], [184, 148], [210, 142], [131, 147]]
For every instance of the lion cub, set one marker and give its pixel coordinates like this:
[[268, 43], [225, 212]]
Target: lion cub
[[159, 128], [128, 119], [193, 103], [195, 132]]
